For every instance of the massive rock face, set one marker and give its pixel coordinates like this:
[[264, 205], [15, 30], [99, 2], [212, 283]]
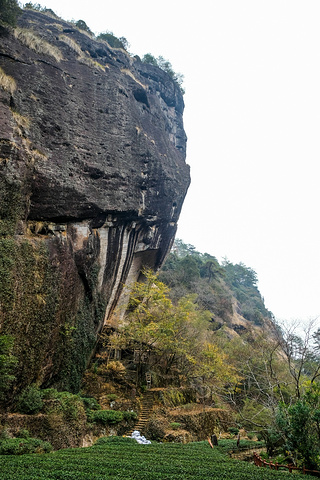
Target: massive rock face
[[93, 177]]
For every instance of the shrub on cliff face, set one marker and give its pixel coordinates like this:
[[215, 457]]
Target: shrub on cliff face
[[38, 8], [70, 406], [81, 24], [166, 66], [9, 10], [30, 400], [7, 363], [114, 41], [90, 403]]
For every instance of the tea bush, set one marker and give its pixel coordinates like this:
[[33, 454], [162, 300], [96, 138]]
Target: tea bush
[[124, 458]]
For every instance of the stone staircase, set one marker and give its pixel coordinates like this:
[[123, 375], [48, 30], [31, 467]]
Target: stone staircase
[[146, 410]]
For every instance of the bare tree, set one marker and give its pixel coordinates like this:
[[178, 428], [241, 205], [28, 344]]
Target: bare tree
[[300, 346]]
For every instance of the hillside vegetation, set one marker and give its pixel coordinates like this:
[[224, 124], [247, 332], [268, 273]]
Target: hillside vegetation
[[215, 358], [209, 340], [228, 291]]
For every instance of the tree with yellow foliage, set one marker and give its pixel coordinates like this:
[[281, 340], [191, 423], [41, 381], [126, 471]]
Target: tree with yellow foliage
[[173, 342]]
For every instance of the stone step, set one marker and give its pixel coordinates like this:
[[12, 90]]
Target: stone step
[[145, 412]]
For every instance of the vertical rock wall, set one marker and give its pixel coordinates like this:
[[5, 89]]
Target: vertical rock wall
[[92, 181]]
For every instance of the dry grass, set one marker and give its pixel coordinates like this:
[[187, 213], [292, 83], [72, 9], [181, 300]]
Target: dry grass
[[28, 38], [82, 58], [6, 82], [20, 120], [57, 25], [92, 63], [114, 49], [84, 32], [128, 72], [71, 43], [37, 155], [34, 154]]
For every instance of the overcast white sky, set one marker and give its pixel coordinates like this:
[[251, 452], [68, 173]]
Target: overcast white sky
[[252, 116]]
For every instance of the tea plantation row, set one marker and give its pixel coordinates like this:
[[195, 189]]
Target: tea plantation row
[[123, 458]]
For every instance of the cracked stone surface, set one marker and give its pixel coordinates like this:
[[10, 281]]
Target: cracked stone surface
[[92, 165]]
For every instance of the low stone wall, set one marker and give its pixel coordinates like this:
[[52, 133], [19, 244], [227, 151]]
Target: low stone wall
[[202, 424], [59, 432]]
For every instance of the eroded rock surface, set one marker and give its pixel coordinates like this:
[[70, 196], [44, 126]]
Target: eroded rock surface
[[93, 177]]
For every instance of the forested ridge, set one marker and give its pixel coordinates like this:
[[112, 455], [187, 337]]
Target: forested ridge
[[225, 290]]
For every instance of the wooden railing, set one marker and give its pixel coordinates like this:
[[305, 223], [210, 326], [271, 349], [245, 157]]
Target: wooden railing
[[259, 462]]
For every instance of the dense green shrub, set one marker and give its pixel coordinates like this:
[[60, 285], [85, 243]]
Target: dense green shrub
[[114, 440], [114, 41], [90, 403], [30, 400], [81, 24], [23, 433], [107, 417], [173, 397], [71, 406], [129, 416], [49, 394], [112, 397], [20, 446]]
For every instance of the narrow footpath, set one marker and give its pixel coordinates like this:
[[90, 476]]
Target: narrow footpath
[[145, 413]]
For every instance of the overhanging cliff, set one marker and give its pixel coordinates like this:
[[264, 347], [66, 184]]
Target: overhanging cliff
[[93, 177]]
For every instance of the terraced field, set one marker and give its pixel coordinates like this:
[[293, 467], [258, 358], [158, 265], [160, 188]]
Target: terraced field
[[123, 458]]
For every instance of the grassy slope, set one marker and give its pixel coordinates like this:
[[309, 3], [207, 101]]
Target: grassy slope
[[125, 459]]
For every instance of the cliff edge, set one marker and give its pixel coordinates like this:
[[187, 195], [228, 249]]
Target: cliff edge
[[92, 181]]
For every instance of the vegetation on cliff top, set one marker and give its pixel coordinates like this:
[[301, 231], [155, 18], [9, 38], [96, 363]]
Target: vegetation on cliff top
[[114, 42]]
